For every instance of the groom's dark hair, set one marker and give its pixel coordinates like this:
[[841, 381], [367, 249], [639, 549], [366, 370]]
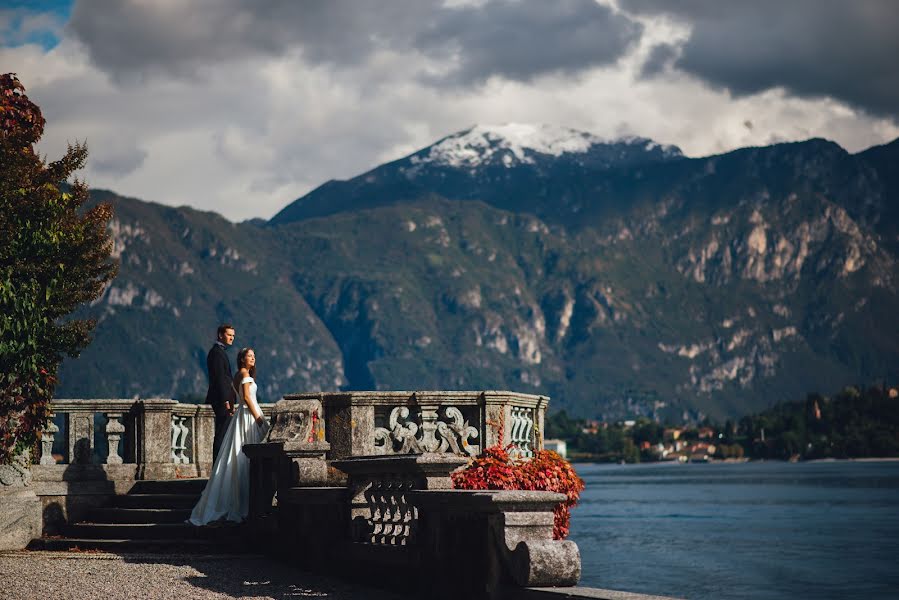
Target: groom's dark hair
[[222, 329]]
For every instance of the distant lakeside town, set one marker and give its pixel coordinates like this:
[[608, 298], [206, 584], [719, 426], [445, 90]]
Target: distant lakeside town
[[855, 423]]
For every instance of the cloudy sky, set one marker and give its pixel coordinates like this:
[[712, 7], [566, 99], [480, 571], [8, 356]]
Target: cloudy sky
[[241, 106]]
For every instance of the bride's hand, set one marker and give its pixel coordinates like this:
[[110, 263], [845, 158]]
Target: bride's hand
[[261, 422]]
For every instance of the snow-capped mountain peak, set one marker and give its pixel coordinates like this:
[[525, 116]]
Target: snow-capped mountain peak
[[518, 143]]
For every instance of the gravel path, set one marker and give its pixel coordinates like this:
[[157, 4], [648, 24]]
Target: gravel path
[[64, 575]]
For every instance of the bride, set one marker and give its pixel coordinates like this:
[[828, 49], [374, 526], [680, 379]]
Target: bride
[[227, 494]]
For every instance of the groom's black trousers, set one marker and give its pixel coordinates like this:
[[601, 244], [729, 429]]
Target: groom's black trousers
[[221, 425]]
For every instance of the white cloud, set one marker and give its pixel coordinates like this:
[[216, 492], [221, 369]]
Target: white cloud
[[247, 134]]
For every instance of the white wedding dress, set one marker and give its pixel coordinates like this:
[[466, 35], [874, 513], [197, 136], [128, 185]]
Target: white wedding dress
[[227, 494]]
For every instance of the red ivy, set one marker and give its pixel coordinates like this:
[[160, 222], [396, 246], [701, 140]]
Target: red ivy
[[24, 412], [496, 470]]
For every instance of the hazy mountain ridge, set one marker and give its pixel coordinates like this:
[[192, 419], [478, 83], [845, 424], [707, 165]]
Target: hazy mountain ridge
[[655, 284]]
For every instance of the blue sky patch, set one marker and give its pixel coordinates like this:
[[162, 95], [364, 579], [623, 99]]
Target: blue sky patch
[[33, 22]]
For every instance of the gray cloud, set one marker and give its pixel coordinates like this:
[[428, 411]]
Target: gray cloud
[[521, 40], [660, 58], [136, 37], [245, 122], [118, 164], [812, 48], [515, 39]]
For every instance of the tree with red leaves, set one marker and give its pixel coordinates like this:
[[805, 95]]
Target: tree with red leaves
[[54, 257]]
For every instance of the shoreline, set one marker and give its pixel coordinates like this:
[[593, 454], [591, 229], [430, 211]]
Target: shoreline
[[867, 459], [731, 461]]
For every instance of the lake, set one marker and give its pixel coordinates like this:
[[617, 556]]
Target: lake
[[759, 530]]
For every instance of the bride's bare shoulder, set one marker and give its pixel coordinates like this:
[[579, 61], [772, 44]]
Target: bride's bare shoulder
[[244, 372]]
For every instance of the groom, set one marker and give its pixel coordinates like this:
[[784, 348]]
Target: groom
[[221, 390]]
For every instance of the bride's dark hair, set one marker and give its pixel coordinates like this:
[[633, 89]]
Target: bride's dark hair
[[241, 357]]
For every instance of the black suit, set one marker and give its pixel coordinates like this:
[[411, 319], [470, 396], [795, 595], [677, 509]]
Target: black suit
[[221, 390]]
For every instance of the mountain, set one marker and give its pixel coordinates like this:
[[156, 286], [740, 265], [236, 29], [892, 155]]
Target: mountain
[[620, 277], [520, 168]]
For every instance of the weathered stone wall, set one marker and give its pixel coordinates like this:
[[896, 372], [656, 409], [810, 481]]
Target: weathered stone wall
[[20, 508]]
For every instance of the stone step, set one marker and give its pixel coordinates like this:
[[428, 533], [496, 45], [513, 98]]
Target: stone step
[[155, 500], [138, 515], [148, 531], [169, 486], [167, 546]]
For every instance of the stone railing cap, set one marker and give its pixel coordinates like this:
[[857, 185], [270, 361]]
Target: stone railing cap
[[393, 398], [489, 500], [426, 463], [97, 405]]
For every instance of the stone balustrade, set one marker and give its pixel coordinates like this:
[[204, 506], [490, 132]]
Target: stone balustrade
[[457, 422], [94, 449], [363, 486], [163, 438]]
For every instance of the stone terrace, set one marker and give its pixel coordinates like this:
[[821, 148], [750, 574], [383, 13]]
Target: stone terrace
[[64, 575], [349, 485]]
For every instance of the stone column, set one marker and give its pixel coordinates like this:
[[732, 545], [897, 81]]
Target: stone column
[[539, 420], [204, 433], [154, 439], [496, 423], [81, 437], [350, 424]]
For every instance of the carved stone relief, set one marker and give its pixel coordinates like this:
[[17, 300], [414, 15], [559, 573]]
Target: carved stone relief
[[448, 432]]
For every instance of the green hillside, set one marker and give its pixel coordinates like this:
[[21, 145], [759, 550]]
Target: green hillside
[[667, 287]]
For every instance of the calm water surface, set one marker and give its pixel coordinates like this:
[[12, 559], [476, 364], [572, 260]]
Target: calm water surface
[[753, 530]]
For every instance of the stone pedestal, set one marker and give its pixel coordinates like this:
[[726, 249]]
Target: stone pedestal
[[292, 454], [20, 508], [501, 539], [298, 433], [154, 439]]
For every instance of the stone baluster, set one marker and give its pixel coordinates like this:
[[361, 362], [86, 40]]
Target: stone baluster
[[47, 439], [179, 433], [183, 430], [515, 427], [522, 428], [114, 431], [527, 432], [429, 441], [175, 432]]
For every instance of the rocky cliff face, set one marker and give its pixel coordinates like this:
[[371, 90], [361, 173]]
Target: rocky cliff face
[[619, 277]]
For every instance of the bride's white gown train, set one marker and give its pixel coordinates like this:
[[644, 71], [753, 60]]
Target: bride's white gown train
[[227, 494]]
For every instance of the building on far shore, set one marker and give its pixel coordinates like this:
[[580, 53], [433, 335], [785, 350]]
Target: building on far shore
[[557, 446]]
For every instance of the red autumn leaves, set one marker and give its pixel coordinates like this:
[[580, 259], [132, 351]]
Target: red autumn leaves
[[547, 471]]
